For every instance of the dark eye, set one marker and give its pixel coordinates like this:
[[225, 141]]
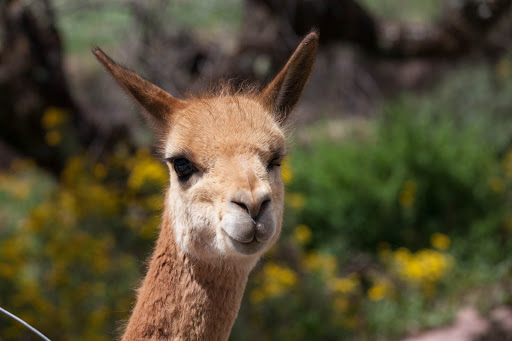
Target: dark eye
[[274, 163], [184, 168]]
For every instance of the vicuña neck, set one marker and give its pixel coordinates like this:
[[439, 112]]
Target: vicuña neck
[[183, 298]]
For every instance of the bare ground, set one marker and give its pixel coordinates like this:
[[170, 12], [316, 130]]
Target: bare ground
[[469, 325]]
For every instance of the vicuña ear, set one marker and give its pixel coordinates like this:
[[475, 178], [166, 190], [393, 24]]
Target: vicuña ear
[[281, 95], [155, 101]]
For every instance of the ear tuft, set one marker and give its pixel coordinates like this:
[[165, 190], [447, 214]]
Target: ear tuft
[[155, 101], [283, 93]]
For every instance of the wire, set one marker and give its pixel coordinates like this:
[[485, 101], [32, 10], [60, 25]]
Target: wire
[[14, 317]]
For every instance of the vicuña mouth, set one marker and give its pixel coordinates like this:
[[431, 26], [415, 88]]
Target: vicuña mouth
[[246, 248]]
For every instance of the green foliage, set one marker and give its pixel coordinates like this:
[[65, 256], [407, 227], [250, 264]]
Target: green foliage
[[423, 168]]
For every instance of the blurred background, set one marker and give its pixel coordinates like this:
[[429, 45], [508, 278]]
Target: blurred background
[[398, 220]]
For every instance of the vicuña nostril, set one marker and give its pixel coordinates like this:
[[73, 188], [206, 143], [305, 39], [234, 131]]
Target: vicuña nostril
[[263, 205], [253, 208], [241, 205]]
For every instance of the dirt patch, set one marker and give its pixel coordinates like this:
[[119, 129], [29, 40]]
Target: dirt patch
[[469, 325]]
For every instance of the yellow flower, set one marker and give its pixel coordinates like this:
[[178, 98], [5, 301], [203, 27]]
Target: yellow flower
[[275, 281], [380, 290], [74, 167], [100, 171], [53, 117], [323, 264], [496, 184], [53, 138], [402, 255], [7, 271], [282, 275], [376, 293], [302, 234], [146, 170], [440, 241], [413, 270], [423, 268], [286, 171], [345, 285], [407, 194], [16, 186], [296, 200], [97, 198]]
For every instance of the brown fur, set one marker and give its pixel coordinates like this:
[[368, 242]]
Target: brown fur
[[220, 220], [183, 298]]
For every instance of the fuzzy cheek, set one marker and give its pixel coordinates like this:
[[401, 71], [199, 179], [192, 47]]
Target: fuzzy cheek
[[194, 226], [278, 197], [202, 217]]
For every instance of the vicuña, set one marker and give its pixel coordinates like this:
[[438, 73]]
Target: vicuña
[[224, 203]]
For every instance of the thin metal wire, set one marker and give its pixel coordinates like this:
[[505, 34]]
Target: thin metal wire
[[14, 317]]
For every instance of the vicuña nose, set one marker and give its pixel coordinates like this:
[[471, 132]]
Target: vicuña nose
[[253, 203]]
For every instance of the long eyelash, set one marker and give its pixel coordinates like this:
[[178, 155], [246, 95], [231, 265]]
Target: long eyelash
[[171, 159], [277, 158], [180, 154]]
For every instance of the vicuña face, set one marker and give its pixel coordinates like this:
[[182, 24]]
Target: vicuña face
[[226, 193]]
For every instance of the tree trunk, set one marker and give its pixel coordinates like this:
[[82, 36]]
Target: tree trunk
[[38, 116]]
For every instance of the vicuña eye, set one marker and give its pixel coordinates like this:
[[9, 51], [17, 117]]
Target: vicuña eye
[[183, 168], [274, 163]]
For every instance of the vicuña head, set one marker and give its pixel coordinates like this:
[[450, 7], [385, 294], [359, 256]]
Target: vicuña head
[[224, 203]]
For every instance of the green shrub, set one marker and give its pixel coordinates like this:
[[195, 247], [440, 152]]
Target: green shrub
[[418, 172]]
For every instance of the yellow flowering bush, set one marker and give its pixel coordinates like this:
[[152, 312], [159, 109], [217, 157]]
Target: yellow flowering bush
[[74, 256], [295, 201], [54, 121], [146, 170], [302, 234], [381, 288], [53, 117], [407, 194], [344, 285], [322, 264], [274, 281], [440, 241], [422, 269]]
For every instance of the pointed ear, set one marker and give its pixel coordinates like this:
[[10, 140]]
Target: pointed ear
[[157, 103], [281, 95]]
